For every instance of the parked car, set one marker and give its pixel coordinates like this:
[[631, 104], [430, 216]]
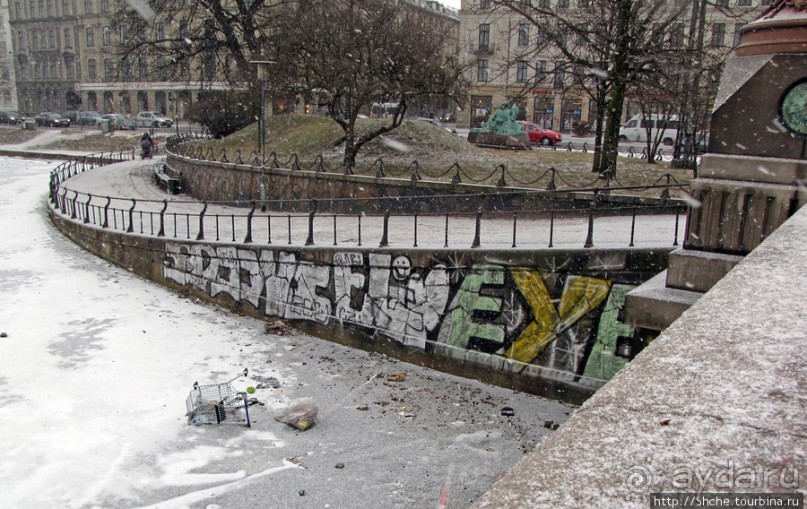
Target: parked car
[[701, 142], [434, 122], [87, 117], [153, 119], [636, 129], [539, 135], [117, 121], [50, 119], [10, 117], [72, 115]]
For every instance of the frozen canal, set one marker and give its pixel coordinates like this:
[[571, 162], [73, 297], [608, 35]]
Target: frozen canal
[[95, 366]]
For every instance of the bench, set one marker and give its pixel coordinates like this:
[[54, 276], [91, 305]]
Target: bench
[[171, 184]]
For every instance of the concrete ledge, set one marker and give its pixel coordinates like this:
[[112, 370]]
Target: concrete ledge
[[769, 170], [714, 404], [654, 306], [698, 271]]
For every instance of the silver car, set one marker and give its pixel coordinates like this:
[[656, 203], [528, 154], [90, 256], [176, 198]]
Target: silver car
[[117, 121], [153, 119]]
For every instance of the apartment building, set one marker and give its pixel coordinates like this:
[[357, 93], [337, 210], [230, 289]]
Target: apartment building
[[8, 87], [64, 54], [491, 38]]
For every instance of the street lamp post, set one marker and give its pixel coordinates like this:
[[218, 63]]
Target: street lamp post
[[263, 74]]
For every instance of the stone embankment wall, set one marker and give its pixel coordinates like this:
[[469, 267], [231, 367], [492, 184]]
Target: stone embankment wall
[[292, 190], [546, 322]]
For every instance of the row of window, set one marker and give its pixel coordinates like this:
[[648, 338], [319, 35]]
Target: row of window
[[54, 69], [541, 75], [584, 4], [46, 38], [676, 35], [35, 9]]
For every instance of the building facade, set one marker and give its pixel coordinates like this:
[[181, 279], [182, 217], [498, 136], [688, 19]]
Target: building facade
[[8, 86], [492, 38], [65, 58]]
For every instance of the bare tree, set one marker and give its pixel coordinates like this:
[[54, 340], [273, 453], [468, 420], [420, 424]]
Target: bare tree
[[353, 53], [613, 42], [348, 54], [196, 40]]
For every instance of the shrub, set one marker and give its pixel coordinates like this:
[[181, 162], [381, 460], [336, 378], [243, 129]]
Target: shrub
[[225, 112]]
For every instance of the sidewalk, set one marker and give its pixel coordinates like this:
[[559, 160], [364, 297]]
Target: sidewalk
[[134, 179]]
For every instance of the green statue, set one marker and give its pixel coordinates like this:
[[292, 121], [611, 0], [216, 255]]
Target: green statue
[[503, 121]]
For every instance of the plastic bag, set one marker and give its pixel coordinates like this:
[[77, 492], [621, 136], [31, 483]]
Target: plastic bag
[[301, 414]]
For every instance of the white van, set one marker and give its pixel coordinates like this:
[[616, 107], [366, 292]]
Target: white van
[[636, 128]]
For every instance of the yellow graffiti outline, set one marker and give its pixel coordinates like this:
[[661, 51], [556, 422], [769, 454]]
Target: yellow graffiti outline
[[582, 295]]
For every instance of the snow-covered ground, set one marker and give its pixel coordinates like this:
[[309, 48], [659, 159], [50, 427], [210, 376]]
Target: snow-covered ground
[[95, 366]]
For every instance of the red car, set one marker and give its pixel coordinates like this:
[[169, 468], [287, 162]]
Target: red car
[[539, 135]]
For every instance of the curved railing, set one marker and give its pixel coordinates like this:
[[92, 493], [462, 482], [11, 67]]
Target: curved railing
[[501, 176], [627, 225], [71, 168]]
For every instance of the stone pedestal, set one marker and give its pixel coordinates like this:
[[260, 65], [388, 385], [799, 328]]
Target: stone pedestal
[[753, 178]]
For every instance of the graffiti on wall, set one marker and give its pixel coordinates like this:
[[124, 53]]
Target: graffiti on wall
[[559, 320]]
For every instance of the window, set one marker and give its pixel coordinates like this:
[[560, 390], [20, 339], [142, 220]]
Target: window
[[578, 72], [210, 67], [66, 7], [51, 38], [45, 73], [161, 71], [54, 70], [677, 35], [484, 4], [43, 39], [718, 34], [560, 77], [484, 36], [18, 10], [159, 30], [125, 68], [32, 11], [124, 35], [142, 67], [34, 40], [544, 3], [104, 6], [69, 67], [90, 37], [563, 4], [107, 36], [521, 72], [737, 29], [22, 40], [523, 34], [108, 69], [91, 69], [583, 4], [722, 3], [540, 71], [88, 7], [50, 8], [67, 38], [482, 71], [3, 47]]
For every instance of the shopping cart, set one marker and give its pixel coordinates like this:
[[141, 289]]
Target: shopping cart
[[218, 403]]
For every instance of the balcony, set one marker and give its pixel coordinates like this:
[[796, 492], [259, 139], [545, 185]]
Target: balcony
[[482, 48]]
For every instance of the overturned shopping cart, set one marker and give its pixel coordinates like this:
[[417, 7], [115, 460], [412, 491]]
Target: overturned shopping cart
[[218, 403]]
